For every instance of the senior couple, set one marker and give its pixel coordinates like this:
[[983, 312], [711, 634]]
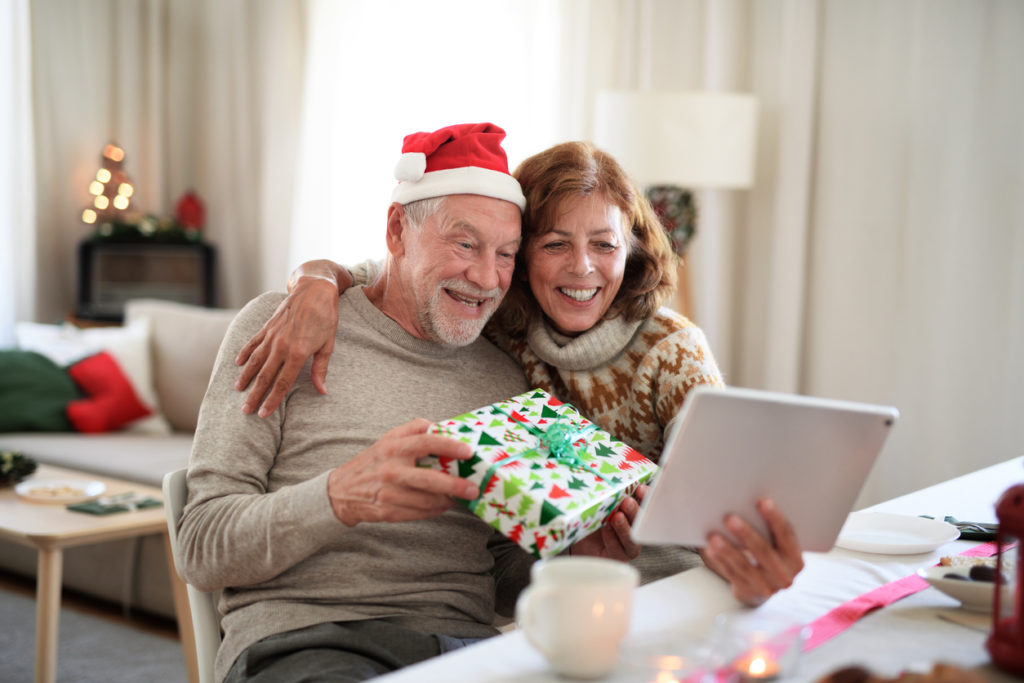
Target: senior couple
[[338, 557]]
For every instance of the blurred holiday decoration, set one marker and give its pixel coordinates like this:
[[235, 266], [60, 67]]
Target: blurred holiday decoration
[[677, 211], [190, 212], [15, 466], [112, 221], [1006, 640], [111, 190]]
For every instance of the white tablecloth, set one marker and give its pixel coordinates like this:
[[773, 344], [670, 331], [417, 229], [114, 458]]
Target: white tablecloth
[[676, 614]]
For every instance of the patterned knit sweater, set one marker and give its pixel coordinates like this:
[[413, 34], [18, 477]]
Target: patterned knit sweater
[[630, 378]]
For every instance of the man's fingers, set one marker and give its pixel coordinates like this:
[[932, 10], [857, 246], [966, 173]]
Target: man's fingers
[[419, 445], [426, 481], [410, 428]]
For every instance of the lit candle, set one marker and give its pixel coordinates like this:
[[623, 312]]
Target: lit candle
[[758, 664]]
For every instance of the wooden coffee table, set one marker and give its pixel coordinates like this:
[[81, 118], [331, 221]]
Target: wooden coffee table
[[49, 528]]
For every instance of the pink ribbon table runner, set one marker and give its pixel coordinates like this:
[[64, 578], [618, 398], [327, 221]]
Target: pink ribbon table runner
[[844, 616]]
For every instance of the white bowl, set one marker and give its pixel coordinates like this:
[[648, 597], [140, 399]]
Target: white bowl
[[976, 596]]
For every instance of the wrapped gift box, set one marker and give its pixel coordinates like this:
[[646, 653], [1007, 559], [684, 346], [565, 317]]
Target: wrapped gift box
[[547, 475]]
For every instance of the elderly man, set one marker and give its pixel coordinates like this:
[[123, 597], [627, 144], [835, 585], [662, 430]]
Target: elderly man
[[338, 557]]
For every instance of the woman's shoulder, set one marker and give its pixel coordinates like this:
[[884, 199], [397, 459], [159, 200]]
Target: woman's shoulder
[[667, 328]]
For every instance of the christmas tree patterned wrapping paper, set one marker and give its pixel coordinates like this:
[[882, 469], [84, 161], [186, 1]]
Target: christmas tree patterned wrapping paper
[[548, 476]]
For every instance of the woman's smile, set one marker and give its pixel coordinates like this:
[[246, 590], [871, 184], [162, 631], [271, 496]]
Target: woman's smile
[[576, 268]]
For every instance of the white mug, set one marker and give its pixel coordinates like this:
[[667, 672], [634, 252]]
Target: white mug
[[576, 611]]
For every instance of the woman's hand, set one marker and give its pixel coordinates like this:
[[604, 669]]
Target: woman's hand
[[758, 567], [613, 540], [303, 325]]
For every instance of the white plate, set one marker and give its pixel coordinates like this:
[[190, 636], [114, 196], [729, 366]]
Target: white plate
[[975, 596], [889, 534], [61, 491]]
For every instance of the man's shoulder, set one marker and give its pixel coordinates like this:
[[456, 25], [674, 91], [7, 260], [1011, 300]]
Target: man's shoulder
[[252, 316]]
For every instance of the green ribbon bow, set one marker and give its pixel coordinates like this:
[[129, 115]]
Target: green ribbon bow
[[558, 439]]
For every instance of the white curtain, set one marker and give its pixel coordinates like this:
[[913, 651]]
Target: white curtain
[[198, 94], [881, 253], [17, 171], [376, 71]]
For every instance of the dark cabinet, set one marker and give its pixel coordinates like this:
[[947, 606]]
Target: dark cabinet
[[111, 273]]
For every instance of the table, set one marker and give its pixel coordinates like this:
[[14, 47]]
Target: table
[[50, 528], [674, 615]]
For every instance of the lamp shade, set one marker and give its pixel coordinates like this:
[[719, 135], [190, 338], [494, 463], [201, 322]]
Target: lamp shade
[[691, 139]]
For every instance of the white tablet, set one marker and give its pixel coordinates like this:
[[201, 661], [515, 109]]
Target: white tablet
[[731, 447]]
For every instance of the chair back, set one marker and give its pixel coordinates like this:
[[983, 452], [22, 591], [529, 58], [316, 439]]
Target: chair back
[[205, 621]]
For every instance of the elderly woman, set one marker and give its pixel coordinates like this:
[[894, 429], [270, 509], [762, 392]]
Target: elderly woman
[[584, 319]]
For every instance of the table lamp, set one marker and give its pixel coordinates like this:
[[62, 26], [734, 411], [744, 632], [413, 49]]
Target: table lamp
[[674, 142], [1006, 641]]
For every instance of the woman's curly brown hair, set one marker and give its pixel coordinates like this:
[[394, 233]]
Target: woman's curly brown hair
[[569, 171]]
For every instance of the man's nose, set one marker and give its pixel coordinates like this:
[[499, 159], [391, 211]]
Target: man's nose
[[483, 273]]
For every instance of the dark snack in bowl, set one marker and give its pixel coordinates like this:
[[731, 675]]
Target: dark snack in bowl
[[985, 573]]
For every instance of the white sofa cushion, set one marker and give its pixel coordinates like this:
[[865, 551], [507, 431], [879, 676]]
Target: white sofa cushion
[[184, 341], [123, 455]]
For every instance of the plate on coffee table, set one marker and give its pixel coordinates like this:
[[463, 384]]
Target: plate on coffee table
[[59, 491]]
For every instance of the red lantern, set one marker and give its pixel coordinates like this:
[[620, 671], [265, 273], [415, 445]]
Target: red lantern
[[1006, 642]]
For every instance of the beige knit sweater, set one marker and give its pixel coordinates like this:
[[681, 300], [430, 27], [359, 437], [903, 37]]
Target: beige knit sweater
[[258, 522]]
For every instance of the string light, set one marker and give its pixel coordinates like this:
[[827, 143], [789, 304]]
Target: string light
[[111, 190]]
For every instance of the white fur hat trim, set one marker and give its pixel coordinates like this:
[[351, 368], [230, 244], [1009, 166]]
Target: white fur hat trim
[[465, 180]]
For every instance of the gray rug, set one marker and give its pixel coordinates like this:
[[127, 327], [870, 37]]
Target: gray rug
[[90, 649]]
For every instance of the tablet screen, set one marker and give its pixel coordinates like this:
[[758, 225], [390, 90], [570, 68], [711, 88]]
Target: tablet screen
[[731, 447]]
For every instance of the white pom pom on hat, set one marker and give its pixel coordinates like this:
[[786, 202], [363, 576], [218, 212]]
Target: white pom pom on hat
[[462, 159], [410, 166]]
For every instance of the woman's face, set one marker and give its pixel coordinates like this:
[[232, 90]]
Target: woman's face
[[575, 270]]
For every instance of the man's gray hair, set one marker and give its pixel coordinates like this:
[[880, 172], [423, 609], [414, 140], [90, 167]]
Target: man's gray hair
[[419, 211]]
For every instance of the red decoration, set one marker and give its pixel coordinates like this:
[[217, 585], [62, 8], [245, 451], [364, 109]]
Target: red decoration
[[190, 212], [111, 401], [1006, 642]]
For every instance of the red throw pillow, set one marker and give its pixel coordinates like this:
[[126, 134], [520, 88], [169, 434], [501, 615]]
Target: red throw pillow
[[111, 401]]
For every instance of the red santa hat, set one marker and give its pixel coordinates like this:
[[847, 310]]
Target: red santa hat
[[463, 159]]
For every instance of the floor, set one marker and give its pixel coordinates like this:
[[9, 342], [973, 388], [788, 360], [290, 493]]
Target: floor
[[155, 625]]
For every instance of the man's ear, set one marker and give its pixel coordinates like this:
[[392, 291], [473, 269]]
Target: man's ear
[[397, 226]]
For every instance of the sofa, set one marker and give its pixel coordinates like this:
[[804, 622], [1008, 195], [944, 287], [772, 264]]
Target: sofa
[[176, 346]]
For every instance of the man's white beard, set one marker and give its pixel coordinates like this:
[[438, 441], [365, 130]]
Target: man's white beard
[[453, 330]]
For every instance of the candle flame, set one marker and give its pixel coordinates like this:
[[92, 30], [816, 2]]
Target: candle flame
[[758, 666]]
